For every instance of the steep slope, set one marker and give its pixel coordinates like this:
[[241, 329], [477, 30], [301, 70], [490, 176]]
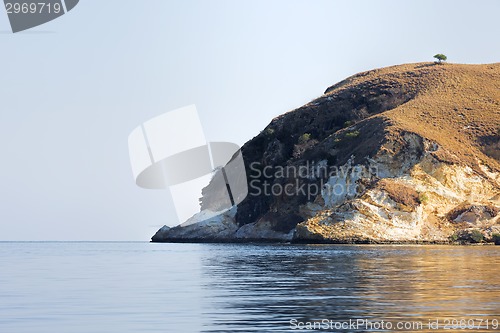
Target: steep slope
[[406, 153]]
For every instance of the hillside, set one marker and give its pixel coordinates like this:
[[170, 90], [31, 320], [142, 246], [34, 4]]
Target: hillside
[[407, 153]]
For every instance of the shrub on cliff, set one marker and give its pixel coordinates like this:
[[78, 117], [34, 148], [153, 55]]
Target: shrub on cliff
[[304, 138], [468, 236], [496, 239], [476, 236], [304, 143], [352, 135]]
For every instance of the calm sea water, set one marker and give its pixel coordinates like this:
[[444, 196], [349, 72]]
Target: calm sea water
[[141, 287]]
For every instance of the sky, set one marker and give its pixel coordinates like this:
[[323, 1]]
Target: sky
[[73, 89]]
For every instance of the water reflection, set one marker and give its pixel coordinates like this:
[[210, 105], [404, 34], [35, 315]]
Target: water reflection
[[260, 288]]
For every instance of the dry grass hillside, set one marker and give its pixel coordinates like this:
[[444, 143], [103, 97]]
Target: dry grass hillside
[[455, 105]]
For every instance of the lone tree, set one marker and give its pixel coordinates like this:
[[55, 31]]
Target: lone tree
[[440, 57]]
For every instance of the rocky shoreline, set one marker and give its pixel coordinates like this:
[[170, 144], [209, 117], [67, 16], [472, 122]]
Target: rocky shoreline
[[313, 242]]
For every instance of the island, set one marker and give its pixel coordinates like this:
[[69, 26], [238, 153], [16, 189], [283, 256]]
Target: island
[[402, 154]]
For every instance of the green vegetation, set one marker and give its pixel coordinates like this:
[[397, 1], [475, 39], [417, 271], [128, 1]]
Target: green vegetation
[[270, 131], [305, 142], [455, 237], [304, 138], [496, 239], [348, 123], [440, 57], [476, 236], [423, 198], [352, 135]]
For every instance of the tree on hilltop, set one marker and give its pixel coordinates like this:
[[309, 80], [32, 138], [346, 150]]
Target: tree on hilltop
[[440, 57]]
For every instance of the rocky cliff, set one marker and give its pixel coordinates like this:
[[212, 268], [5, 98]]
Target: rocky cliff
[[407, 153]]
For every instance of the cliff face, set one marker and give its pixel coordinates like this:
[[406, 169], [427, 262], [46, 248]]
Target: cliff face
[[406, 153]]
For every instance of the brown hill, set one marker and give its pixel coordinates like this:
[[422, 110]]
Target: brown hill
[[432, 131]]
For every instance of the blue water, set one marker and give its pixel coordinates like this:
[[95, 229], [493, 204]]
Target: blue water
[[141, 287]]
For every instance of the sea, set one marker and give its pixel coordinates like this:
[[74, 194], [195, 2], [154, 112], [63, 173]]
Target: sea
[[140, 287]]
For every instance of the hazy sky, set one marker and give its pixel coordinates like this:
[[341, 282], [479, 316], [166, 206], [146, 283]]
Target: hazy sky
[[73, 89]]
